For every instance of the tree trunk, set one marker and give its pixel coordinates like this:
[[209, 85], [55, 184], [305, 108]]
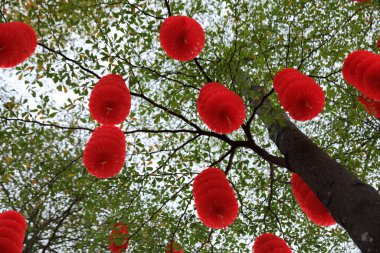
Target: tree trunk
[[354, 204]]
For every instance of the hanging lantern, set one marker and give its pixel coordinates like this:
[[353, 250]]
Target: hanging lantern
[[361, 69], [12, 232], [110, 100], [304, 100], [182, 38], [299, 94], [104, 154], [270, 243], [310, 203], [215, 200], [18, 41], [221, 110]]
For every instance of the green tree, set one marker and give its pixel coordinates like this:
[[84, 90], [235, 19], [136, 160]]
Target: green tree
[[247, 42]]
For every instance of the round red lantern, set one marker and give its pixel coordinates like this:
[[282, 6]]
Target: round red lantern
[[110, 100], [18, 41], [215, 199], [182, 38], [270, 243]]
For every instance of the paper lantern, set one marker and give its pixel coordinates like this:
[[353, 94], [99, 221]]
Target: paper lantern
[[12, 231], [173, 247], [104, 154], [361, 69], [119, 239], [310, 203], [303, 99], [221, 109], [270, 243], [110, 100], [182, 38], [350, 63], [299, 94], [372, 107], [14, 216], [215, 201], [18, 41]]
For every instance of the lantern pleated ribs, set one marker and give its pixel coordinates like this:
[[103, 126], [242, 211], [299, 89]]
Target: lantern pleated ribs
[[222, 110], [104, 154], [215, 199], [361, 69], [182, 38], [310, 203], [119, 238], [110, 100], [12, 232], [298, 94], [18, 41], [270, 243]]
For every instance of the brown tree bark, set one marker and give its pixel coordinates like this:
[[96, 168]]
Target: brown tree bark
[[354, 204]]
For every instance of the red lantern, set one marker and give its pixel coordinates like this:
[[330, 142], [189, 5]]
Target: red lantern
[[299, 94], [18, 41], [304, 100], [221, 110], [310, 203], [14, 216], [104, 154], [215, 199], [173, 247], [350, 63], [12, 231], [270, 243], [372, 107], [182, 38], [361, 69], [110, 100], [119, 238]]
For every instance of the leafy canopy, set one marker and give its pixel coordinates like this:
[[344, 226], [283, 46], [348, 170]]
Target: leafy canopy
[[42, 141]]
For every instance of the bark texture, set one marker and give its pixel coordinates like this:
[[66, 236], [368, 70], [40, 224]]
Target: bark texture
[[354, 204]]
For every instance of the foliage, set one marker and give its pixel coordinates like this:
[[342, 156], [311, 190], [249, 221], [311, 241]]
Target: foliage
[[42, 142]]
